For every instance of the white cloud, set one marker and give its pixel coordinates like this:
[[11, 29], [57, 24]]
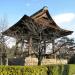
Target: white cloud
[[64, 18], [66, 21]]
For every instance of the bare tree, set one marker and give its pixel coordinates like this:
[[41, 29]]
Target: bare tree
[[64, 46], [3, 53]]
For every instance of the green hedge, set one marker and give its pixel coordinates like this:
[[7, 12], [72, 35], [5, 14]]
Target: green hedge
[[38, 70], [61, 69], [71, 69], [20, 70], [57, 70]]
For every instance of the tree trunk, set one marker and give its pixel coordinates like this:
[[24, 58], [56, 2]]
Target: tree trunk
[[40, 51]]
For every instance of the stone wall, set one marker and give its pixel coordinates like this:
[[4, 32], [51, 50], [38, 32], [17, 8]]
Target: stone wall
[[33, 61]]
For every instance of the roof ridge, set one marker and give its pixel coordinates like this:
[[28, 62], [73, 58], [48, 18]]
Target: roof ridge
[[43, 9]]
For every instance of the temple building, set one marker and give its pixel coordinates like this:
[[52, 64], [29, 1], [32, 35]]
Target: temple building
[[35, 32]]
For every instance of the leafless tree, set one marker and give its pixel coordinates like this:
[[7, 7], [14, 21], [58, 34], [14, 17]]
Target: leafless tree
[[3, 53], [64, 47]]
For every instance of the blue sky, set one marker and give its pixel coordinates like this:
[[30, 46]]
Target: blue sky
[[62, 11], [15, 9]]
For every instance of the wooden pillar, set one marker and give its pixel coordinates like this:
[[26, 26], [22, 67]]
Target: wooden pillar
[[44, 47], [53, 48], [7, 61], [53, 45], [17, 42], [1, 60], [30, 45], [22, 44]]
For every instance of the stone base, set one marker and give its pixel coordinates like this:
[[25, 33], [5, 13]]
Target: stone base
[[34, 61]]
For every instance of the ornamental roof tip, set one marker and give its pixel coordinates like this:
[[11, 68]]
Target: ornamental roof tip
[[45, 8]]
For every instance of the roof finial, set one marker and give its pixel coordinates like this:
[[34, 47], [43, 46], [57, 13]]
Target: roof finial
[[45, 8]]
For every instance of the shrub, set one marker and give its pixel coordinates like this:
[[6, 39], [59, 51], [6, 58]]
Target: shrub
[[55, 69], [71, 69], [20, 70], [38, 70]]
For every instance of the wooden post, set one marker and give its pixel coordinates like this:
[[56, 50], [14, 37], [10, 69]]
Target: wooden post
[[1, 60], [30, 45], [53, 47], [7, 61], [44, 47], [22, 44], [17, 42]]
